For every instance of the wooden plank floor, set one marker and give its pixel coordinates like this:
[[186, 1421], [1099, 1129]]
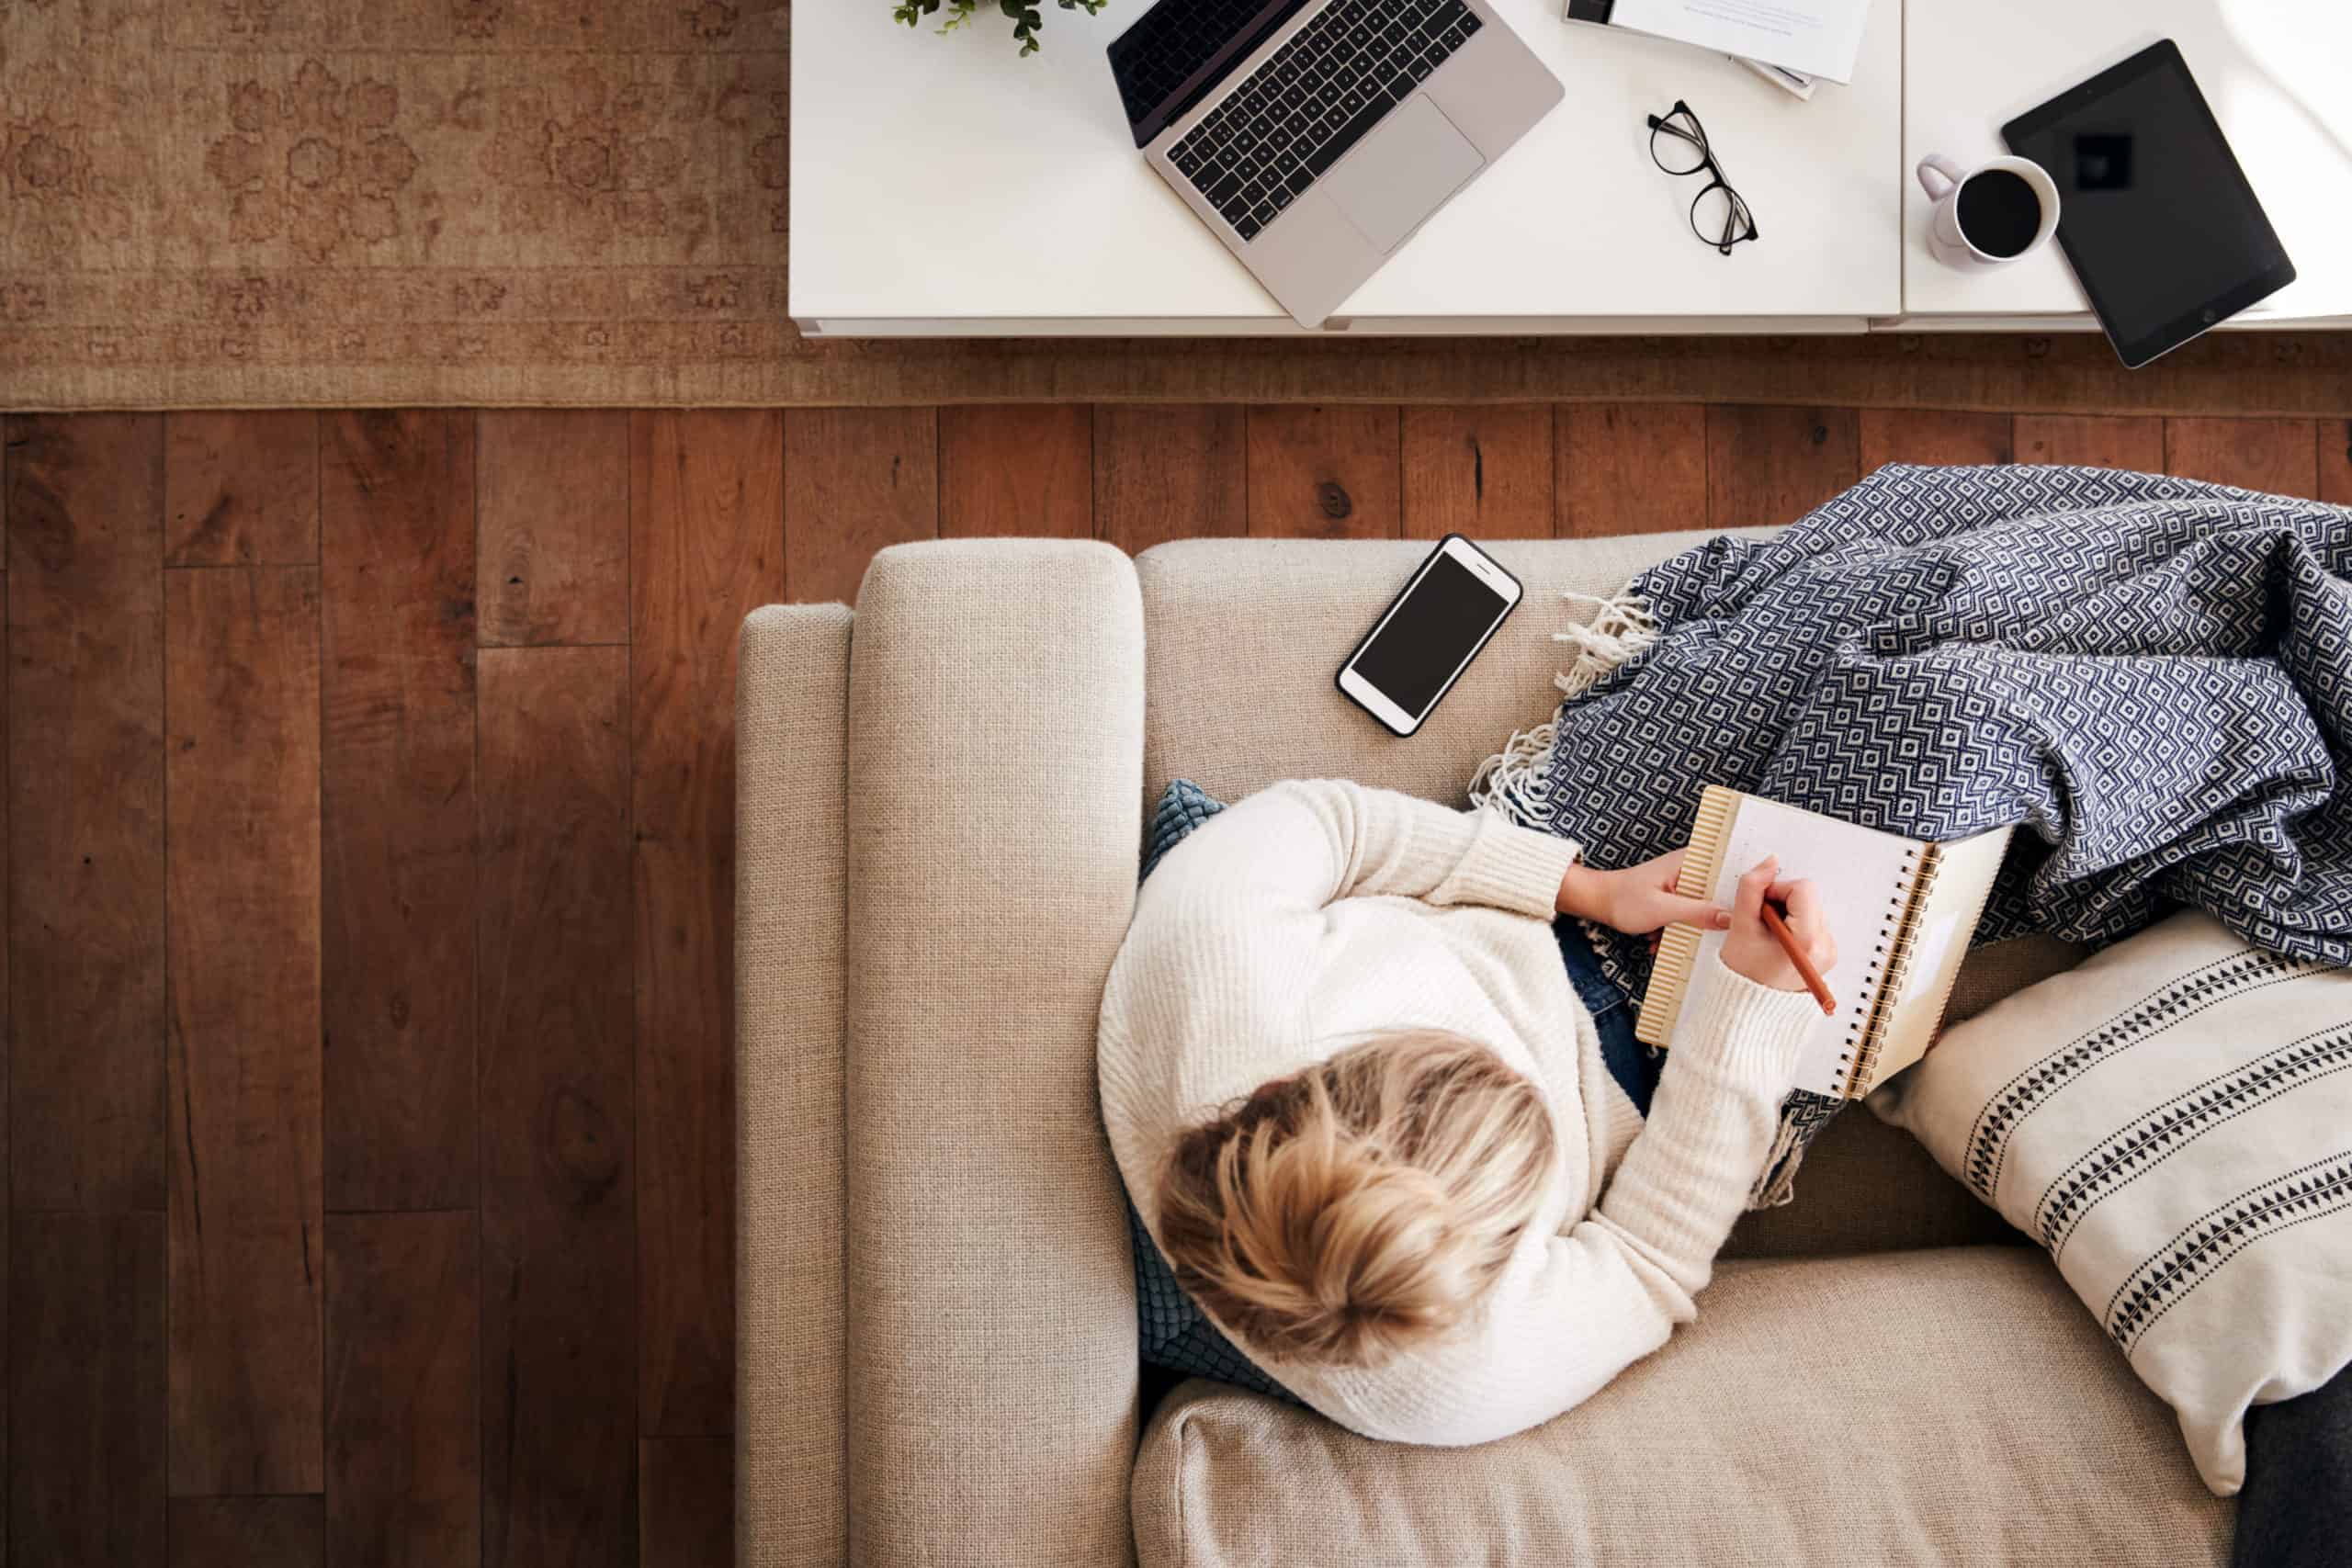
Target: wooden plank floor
[[370, 832]]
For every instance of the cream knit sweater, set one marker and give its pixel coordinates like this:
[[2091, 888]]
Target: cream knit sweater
[[1318, 911]]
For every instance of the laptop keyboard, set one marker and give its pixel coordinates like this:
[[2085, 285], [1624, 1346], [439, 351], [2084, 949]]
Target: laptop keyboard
[[1312, 99]]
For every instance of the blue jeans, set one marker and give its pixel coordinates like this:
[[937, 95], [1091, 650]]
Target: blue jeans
[[1634, 1065]]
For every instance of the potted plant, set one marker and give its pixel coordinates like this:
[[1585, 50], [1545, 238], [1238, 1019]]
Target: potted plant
[[1026, 14]]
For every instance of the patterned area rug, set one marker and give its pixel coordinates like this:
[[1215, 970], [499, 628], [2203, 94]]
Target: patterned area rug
[[318, 201], [340, 202]]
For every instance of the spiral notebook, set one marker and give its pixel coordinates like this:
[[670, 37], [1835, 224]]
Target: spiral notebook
[[1900, 910]]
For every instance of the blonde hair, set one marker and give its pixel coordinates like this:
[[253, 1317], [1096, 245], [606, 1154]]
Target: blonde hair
[[1349, 1212]]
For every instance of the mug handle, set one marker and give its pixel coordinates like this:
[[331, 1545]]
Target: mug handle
[[1936, 167]]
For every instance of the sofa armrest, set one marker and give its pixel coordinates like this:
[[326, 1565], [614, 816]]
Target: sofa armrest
[[995, 766], [791, 729]]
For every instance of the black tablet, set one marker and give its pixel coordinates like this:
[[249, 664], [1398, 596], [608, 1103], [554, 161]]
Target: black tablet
[[2154, 212]]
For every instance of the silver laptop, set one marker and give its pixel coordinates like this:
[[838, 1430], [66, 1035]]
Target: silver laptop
[[1315, 136]]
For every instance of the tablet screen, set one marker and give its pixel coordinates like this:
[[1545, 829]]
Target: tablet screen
[[2154, 210]]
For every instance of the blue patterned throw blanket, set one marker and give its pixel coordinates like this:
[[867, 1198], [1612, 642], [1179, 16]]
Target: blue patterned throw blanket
[[2154, 675]]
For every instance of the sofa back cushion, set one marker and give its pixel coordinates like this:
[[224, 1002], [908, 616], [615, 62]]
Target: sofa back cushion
[[1242, 637]]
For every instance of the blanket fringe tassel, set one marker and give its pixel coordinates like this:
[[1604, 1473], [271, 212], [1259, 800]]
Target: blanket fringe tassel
[[1515, 780], [1778, 1184]]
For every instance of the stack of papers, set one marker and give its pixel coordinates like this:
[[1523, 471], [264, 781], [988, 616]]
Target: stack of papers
[[1797, 40]]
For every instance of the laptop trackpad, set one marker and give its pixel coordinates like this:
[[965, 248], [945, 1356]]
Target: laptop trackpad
[[1412, 161]]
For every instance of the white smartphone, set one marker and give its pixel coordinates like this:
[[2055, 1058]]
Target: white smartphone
[[1429, 635]]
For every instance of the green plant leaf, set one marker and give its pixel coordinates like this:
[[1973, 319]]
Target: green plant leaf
[[1025, 15]]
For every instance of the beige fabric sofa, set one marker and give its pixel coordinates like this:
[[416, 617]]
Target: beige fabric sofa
[[941, 802]]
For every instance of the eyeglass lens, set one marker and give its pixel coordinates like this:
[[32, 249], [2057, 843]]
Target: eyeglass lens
[[1719, 216], [1678, 144]]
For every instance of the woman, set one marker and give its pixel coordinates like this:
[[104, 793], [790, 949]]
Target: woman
[[1368, 1117]]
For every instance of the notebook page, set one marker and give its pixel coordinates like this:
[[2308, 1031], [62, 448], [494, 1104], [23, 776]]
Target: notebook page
[[1863, 875]]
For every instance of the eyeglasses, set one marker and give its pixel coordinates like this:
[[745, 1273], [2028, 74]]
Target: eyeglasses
[[1679, 145]]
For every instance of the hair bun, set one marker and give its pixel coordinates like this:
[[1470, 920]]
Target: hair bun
[[1363, 1246], [1363, 1206]]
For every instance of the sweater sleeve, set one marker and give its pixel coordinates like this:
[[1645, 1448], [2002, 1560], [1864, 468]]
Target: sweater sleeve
[[1307, 845], [1687, 1174], [1623, 1278], [1610, 1288]]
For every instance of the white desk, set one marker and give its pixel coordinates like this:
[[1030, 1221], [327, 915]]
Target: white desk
[[943, 186], [2278, 73], [940, 185]]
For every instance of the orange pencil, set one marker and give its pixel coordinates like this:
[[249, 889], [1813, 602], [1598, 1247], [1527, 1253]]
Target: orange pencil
[[1788, 941]]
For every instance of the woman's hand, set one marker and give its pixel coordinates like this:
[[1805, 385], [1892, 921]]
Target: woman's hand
[[1639, 899], [1752, 951]]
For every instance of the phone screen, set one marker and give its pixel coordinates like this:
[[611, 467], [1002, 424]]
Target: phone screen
[[1435, 629]]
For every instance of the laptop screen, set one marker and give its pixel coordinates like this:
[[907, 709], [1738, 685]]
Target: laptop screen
[[1174, 54]]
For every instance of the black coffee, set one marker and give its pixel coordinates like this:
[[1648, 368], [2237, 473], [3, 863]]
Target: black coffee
[[1999, 213]]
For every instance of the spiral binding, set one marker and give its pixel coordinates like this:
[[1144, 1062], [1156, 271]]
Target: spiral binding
[[1898, 943]]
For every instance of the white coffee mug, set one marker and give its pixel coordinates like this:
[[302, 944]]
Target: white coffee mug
[[1941, 178]]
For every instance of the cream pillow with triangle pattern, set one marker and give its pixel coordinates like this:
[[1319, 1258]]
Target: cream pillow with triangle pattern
[[2172, 1120]]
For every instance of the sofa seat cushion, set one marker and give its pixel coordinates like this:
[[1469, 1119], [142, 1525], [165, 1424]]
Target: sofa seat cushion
[[1946, 1407]]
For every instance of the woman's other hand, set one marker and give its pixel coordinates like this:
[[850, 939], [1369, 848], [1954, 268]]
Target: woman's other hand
[[1638, 899], [1752, 951]]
